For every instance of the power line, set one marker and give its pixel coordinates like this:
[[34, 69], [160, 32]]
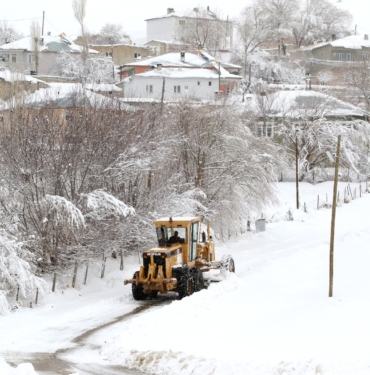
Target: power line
[[52, 25], [24, 19]]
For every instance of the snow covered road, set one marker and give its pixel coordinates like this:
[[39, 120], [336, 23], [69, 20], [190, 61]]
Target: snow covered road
[[273, 316]]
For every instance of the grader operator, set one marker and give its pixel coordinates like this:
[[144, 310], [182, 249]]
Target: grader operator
[[177, 264]]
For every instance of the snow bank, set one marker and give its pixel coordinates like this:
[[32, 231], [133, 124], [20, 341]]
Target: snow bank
[[22, 369]]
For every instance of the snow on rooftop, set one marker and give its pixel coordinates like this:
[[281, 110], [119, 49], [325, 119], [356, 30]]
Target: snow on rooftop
[[205, 13], [350, 42], [184, 73], [292, 103], [50, 43], [10, 76], [174, 59]]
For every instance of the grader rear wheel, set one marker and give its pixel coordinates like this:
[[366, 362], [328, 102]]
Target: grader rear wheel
[[185, 284], [198, 279]]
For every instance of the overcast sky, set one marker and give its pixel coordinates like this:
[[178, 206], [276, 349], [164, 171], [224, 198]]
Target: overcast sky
[[59, 15]]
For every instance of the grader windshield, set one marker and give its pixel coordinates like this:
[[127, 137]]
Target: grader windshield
[[166, 236]]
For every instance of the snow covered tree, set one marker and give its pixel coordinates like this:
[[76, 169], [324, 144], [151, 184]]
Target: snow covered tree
[[357, 76], [252, 30], [312, 134], [8, 33], [318, 19], [304, 20], [94, 70], [227, 171], [49, 164], [110, 33]]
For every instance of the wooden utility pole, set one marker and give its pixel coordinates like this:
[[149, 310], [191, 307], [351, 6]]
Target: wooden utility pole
[[43, 22], [163, 91], [219, 76], [296, 170], [332, 232]]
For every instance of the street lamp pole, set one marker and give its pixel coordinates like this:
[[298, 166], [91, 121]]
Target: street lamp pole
[[296, 169]]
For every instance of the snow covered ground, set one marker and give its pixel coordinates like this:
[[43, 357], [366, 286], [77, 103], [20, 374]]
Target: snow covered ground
[[273, 316]]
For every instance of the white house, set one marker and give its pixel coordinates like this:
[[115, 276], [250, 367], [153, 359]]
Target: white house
[[179, 83], [173, 26], [21, 53]]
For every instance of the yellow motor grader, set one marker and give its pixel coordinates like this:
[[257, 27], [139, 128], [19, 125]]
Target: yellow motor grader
[[177, 264]]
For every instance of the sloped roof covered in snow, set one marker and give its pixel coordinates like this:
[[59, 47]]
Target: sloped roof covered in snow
[[185, 73], [309, 103], [174, 59], [50, 44], [349, 42], [204, 13], [10, 76]]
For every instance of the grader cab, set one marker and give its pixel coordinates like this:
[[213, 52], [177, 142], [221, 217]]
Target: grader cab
[[177, 263]]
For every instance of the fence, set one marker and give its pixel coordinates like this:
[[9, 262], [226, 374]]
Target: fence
[[345, 195], [72, 277]]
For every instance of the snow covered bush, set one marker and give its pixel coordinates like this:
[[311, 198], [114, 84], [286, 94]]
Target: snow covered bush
[[16, 272]]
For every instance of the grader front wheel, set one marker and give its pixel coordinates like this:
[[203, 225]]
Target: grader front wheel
[[138, 290]]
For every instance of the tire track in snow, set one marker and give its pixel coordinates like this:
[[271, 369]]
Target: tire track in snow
[[58, 363]]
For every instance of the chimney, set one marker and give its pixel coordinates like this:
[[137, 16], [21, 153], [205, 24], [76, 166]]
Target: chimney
[[170, 10], [182, 54], [366, 36], [159, 66], [196, 10], [333, 37], [207, 7]]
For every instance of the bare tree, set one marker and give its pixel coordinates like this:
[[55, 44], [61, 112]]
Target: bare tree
[[204, 29], [36, 40], [110, 33], [357, 75], [79, 11], [252, 30]]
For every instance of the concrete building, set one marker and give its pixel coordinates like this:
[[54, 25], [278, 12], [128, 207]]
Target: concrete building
[[22, 55], [175, 26], [124, 53]]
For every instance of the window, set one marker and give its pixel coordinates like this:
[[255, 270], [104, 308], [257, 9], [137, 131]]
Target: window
[[14, 58], [193, 241], [5, 57], [186, 88], [209, 83], [137, 55], [182, 22], [340, 56], [364, 56], [108, 54], [265, 130], [349, 57], [149, 88], [31, 59], [177, 89]]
